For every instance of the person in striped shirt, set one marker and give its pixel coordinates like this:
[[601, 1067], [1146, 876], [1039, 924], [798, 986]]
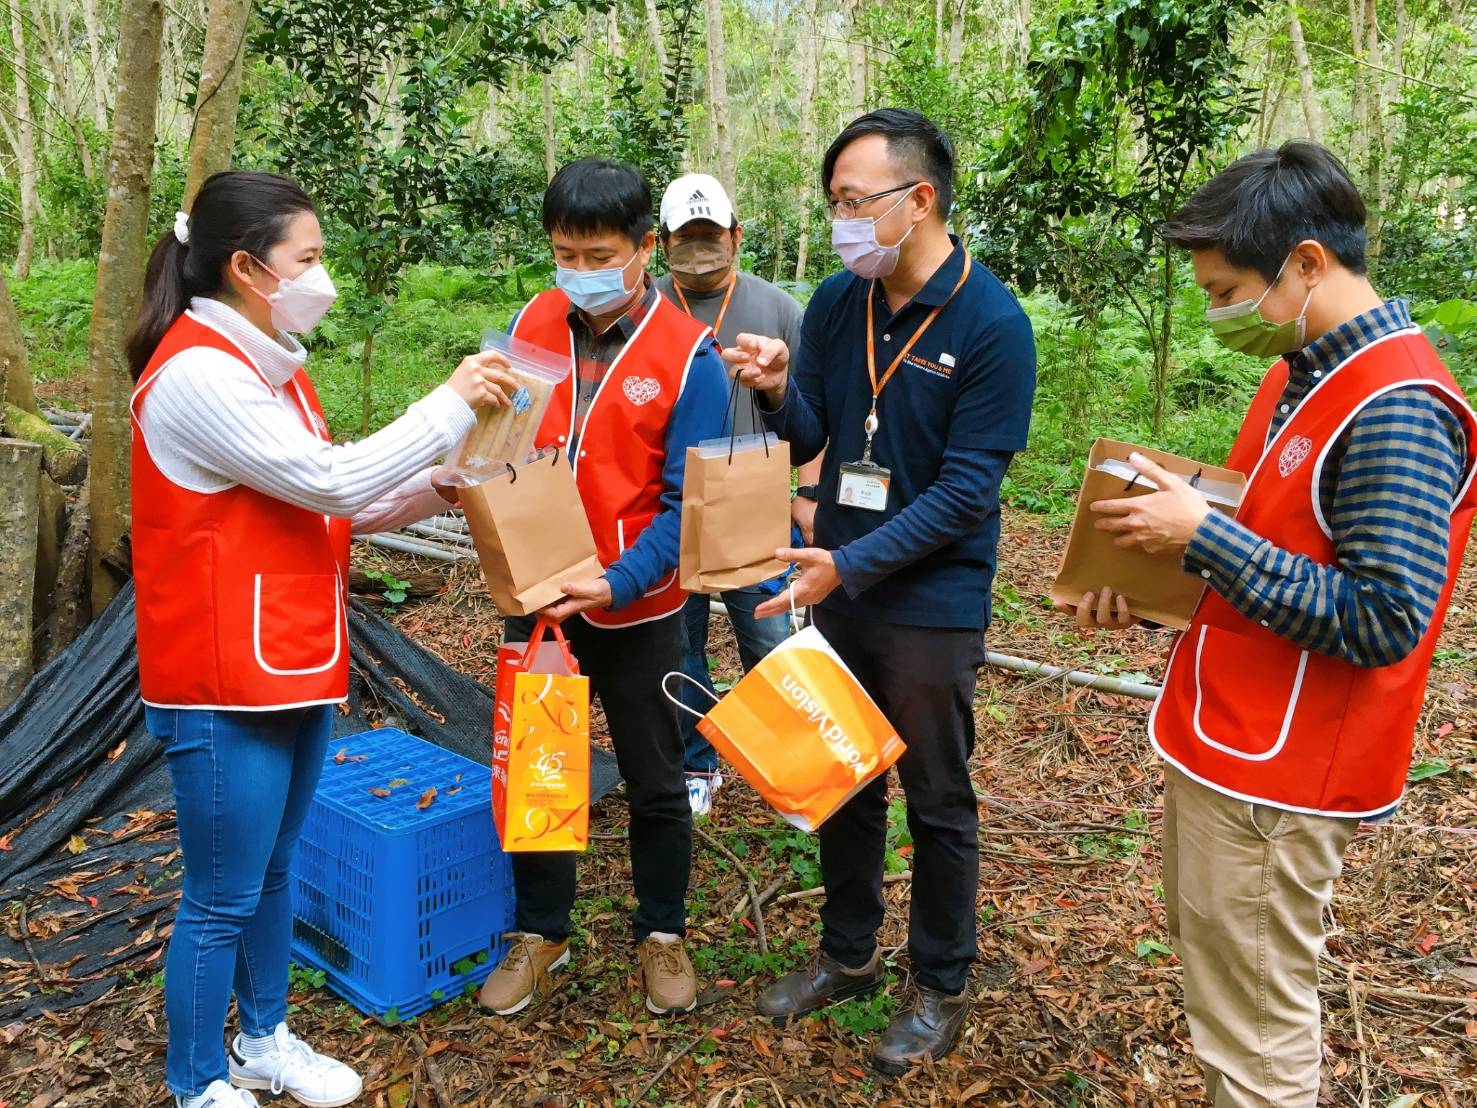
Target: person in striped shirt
[[1290, 702]]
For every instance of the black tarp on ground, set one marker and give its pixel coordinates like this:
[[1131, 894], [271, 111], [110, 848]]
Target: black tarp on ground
[[86, 839]]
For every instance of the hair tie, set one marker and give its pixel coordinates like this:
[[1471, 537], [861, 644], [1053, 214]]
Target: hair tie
[[182, 228]]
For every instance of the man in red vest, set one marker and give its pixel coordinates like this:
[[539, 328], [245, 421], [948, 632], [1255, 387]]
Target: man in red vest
[[648, 383], [1290, 703]]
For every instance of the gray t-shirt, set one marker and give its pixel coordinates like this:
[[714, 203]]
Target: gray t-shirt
[[757, 308]]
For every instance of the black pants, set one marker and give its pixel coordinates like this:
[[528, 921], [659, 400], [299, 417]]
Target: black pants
[[923, 679], [625, 666]]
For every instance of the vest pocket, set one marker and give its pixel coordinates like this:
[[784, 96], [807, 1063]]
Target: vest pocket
[[297, 623], [1246, 693]]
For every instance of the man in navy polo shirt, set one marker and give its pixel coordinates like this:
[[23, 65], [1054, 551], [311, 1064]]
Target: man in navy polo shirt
[[915, 374]]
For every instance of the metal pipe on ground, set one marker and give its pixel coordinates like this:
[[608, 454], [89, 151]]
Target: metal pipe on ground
[[431, 531], [422, 548]]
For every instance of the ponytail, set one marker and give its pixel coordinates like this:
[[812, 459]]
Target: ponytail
[[165, 300], [236, 210]]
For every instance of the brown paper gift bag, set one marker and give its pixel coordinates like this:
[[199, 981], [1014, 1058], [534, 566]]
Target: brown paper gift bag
[[735, 513], [531, 533], [1155, 586]]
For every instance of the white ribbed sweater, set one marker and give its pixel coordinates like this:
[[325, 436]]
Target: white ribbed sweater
[[210, 424]]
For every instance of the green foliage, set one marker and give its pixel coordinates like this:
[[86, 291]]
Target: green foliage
[[437, 320], [1423, 771], [55, 308], [866, 1015], [1452, 326], [1152, 951], [394, 587], [1125, 101], [301, 979], [379, 135], [73, 203], [1095, 379]]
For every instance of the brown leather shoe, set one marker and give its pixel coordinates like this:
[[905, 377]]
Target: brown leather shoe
[[671, 984], [927, 1030], [824, 981], [522, 972]]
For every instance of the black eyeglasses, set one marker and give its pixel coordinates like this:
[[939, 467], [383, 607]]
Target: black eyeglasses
[[847, 209]]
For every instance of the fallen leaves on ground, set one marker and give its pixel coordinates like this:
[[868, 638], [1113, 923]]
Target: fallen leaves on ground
[[1076, 1000]]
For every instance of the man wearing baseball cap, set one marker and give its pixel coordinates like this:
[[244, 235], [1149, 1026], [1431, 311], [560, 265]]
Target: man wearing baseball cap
[[700, 236]]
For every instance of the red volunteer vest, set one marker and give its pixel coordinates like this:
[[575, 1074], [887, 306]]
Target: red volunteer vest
[[1246, 711], [240, 596], [618, 467]]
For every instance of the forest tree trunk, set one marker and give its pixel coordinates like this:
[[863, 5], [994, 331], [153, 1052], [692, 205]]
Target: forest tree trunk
[[856, 59], [1306, 86], [20, 502], [219, 94], [547, 85], [95, 58], [658, 40], [69, 605], [366, 383], [1359, 115], [120, 277], [15, 370], [956, 37], [25, 145], [807, 134], [718, 92], [1376, 139]]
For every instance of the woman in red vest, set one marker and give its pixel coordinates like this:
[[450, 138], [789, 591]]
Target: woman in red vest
[[242, 511], [1290, 703]]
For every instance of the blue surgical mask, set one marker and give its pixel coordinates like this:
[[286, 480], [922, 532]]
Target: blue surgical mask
[[595, 290]]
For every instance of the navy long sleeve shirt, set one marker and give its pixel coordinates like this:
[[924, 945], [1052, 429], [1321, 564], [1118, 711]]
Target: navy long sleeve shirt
[[952, 417]]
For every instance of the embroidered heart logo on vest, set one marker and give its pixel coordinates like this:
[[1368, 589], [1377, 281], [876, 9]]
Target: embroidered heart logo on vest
[[641, 390], [1294, 454]]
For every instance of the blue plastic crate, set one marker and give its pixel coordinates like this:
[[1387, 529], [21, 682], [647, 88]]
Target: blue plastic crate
[[401, 907]]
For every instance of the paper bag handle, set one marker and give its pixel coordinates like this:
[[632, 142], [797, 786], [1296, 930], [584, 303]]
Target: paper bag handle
[[731, 417], [678, 703], [535, 639]]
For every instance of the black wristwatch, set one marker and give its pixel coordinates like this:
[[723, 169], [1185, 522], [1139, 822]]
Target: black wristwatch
[[809, 492]]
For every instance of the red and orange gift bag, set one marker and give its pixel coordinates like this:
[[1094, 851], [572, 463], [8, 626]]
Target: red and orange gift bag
[[541, 746]]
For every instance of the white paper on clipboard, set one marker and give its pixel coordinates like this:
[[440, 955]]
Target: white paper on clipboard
[[1221, 493]]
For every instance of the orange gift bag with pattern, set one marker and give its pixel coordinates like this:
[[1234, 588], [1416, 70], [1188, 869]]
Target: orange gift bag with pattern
[[801, 730], [541, 746]]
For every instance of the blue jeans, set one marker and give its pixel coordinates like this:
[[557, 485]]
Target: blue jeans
[[243, 782], [756, 638]]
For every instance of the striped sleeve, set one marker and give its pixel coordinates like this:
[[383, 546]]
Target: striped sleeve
[[1402, 462]]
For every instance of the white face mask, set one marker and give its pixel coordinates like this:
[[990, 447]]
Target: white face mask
[[855, 240], [298, 303]]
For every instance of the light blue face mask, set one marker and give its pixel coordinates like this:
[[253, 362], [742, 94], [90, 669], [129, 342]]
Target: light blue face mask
[[595, 290]]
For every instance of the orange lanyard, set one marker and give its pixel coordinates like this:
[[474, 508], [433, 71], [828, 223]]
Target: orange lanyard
[[722, 308], [878, 386]]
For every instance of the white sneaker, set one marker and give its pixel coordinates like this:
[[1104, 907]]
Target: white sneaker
[[218, 1095], [701, 788], [295, 1068]]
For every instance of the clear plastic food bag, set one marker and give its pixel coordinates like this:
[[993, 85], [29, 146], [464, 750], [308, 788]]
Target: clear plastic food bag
[[506, 434]]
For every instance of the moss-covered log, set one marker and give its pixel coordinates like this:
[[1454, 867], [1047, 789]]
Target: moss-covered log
[[63, 459]]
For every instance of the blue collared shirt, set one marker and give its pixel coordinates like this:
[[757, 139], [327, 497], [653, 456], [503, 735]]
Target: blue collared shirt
[[951, 418]]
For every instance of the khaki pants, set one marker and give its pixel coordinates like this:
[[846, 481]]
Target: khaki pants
[[1245, 888]]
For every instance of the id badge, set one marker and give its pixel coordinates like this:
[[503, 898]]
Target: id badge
[[863, 485]]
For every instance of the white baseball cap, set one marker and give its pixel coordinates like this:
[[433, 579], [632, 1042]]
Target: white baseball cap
[[695, 196]]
